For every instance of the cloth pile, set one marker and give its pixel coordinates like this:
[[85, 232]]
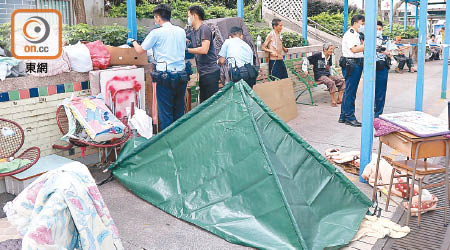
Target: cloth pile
[[9, 66], [63, 209], [380, 228], [8, 166]]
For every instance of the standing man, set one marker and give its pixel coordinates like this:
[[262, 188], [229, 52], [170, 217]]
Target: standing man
[[274, 46], [352, 67], [168, 43], [205, 53], [322, 62], [382, 70], [239, 55]]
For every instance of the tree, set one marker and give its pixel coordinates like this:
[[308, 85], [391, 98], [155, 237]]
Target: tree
[[80, 12]]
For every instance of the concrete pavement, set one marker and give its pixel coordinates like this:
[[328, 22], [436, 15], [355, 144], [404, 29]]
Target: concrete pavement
[[143, 226]]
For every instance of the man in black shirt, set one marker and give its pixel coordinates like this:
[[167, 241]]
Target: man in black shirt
[[322, 62], [205, 53]]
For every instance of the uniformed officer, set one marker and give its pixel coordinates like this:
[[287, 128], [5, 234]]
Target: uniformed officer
[[168, 43], [352, 67], [382, 70], [239, 56]]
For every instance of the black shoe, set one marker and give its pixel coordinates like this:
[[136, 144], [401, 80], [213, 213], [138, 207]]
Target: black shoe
[[353, 123], [341, 120]]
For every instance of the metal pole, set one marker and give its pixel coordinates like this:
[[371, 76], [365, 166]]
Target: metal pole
[[305, 22], [446, 42], [131, 19], [368, 85], [417, 15], [421, 53], [345, 16], [391, 17], [240, 8], [405, 21]]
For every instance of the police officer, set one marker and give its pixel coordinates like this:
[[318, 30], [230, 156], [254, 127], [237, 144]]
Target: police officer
[[168, 43], [352, 67], [382, 70], [239, 56]]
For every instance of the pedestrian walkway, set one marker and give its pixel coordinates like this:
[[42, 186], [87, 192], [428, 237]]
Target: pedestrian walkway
[[319, 127]]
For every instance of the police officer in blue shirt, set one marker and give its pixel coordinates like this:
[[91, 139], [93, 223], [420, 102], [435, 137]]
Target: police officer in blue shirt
[[239, 56], [352, 67], [168, 43]]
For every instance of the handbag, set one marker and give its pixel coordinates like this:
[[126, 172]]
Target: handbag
[[234, 72]]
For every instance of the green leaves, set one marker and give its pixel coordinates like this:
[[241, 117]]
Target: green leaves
[[5, 36], [332, 21], [398, 30], [180, 8], [114, 35], [290, 39]]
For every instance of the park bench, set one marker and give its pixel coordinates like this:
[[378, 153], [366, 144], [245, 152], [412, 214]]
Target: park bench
[[295, 66]]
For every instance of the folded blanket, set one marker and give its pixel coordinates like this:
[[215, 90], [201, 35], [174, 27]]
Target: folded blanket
[[8, 166], [63, 209]]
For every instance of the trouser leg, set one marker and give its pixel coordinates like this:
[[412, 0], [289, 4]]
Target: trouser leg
[[165, 98], [381, 79], [209, 85], [179, 101], [351, 87]]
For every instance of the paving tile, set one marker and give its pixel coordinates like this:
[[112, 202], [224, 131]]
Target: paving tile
[[52, 90], [60, 88], [24, 94], [14, 95], [34, 92], [43, 91], [68, 87], [77, 86]]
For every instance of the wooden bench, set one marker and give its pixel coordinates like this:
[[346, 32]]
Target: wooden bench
[[295, 66]]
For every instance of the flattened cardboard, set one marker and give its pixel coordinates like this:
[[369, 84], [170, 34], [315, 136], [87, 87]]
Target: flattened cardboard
[[126, 56], [279, 97]]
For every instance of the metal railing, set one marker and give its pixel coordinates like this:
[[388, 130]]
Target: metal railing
[[318, 26]]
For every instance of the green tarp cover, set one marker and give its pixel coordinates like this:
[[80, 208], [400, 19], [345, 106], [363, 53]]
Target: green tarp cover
[[232, 167]]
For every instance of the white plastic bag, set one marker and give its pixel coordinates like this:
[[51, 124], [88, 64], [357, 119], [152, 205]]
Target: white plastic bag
[[79, 57], [141, 122]]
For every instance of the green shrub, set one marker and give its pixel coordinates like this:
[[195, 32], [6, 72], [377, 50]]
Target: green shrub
[[5, 36], [315, 7], [398, 30], [290, 39], [114, 35], [180, 8], [332, 21]]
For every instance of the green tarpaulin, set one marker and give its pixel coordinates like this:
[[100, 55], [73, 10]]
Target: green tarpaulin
[[232, 167]]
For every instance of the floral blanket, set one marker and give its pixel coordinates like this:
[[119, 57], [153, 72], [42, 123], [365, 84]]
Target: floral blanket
[[63, 209]]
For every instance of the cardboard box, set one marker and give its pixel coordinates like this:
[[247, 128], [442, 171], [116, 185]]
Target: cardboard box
[[126, 56], [279, 97]]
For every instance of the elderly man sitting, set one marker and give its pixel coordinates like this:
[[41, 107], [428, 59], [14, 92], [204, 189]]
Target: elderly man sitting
[[322, 62]]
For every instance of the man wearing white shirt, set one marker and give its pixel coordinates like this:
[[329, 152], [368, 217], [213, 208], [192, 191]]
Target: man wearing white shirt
[[238, 54], [352, 67]]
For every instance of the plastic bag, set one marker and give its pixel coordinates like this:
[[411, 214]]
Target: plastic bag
[[54, 66], [99, 54], [141, 122], [79, 57]]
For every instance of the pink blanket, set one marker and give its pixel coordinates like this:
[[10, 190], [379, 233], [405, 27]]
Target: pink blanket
[[383, 127]]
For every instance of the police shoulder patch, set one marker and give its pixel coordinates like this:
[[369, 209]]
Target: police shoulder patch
[[352, 31]]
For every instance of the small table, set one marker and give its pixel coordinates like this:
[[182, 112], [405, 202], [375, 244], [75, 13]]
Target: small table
[[415, 148]]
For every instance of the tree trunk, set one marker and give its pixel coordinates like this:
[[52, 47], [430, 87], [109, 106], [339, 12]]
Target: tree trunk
[[80, 12]]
